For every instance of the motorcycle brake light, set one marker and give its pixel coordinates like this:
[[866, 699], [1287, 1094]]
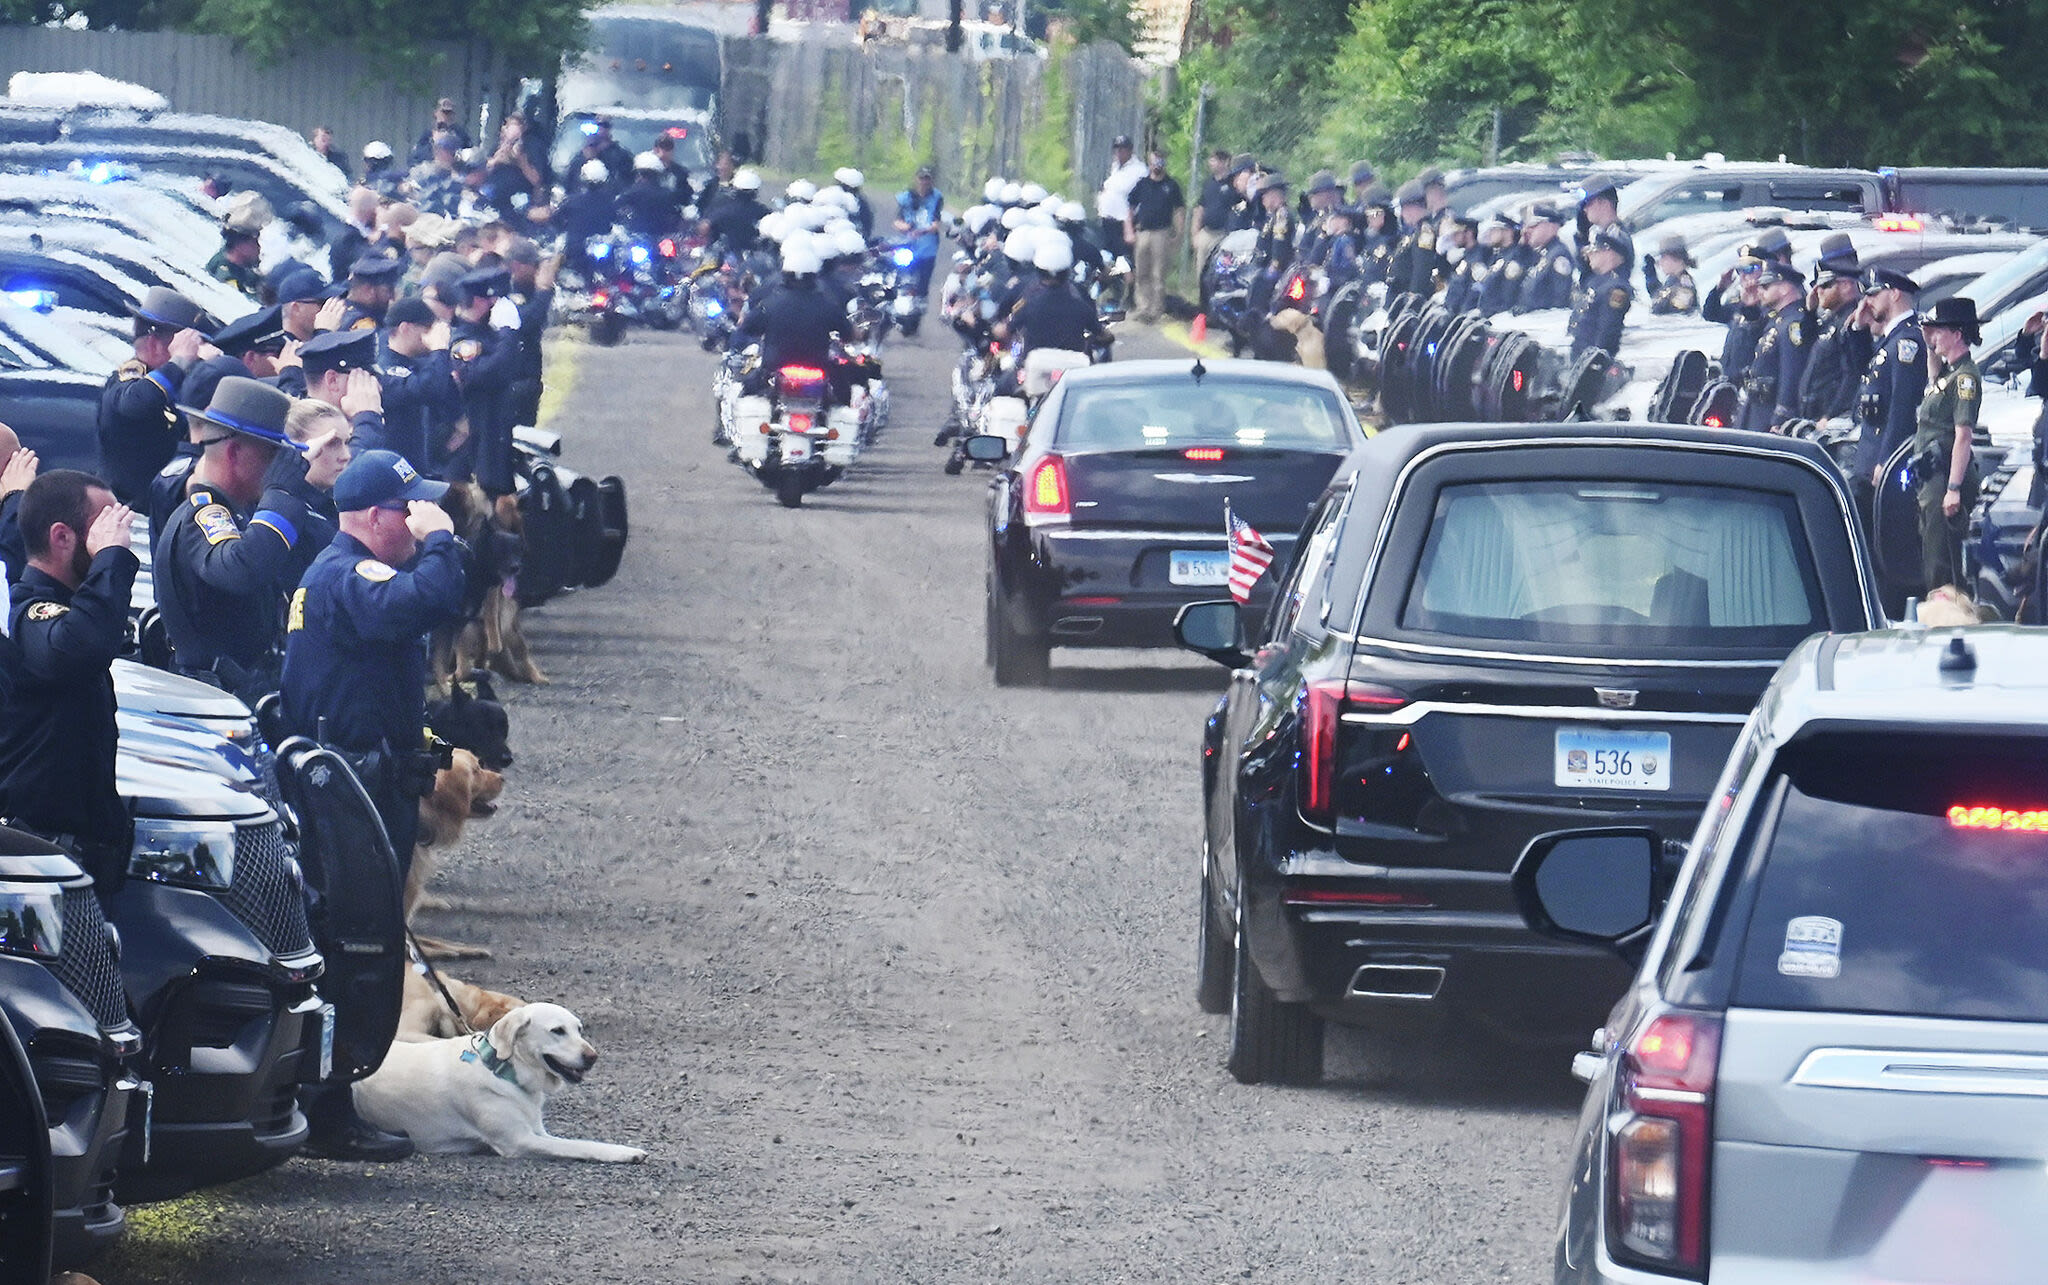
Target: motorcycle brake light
[[802, 374], [668, 248], [799, 423]]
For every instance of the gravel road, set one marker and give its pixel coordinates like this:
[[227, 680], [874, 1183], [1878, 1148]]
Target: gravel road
[[892, 971]]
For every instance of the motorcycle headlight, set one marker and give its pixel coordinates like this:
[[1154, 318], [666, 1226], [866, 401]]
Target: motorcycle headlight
[[197, 853], [639, 253], [904, 256], [31, 920], [600, 250]]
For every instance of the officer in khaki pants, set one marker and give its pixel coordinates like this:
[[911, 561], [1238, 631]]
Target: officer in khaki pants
[[1153, 227]]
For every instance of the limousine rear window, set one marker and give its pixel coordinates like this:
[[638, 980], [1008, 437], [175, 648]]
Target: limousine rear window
[[1615, 565]]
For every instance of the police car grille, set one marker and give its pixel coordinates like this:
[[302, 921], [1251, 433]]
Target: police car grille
[[264, 896], [86, 966]]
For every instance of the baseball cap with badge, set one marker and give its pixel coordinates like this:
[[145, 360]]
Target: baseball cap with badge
[[249, 407], [377, 478], [338, 350]]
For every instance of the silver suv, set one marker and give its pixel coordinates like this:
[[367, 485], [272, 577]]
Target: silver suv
[[1833, 1063]]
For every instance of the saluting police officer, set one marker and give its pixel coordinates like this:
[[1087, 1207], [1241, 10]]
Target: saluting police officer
[[1376, 236], [372, 285], [486, 361], [1737, 302], [1889, 394], [138, 429], [1841, 350], [67, 623], [1416, 267], [1506, 262], [1598, 212], [167, 488], [1274, 250], [1549, 268], [1462, 292], [1944, 460], [1672, 293], [1597, 322], [1771, 383], [220, 575], [421, 401]]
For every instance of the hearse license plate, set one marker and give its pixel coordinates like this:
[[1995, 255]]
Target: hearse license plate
[[1596, 759], [1198, 566]]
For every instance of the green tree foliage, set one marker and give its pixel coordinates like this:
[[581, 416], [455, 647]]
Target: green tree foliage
[[1087, 21], [1827, 82]]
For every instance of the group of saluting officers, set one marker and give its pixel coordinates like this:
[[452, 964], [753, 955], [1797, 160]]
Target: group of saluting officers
[[291, 465]]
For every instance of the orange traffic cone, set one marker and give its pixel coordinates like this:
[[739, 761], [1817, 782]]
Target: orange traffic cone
[[1198, 329]]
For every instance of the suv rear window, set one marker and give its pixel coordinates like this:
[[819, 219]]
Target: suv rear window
[[1132, 415], [1905, 875], [1616, 565]]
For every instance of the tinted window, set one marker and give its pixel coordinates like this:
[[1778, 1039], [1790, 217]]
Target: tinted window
[[1818, 196], [1245, 413], [1702, 198], [1904, 874], [1615, 565]]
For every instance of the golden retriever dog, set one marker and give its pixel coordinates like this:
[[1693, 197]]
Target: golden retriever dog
[[425, 1014], [463, 789], [492, 637], [1948, 606], [486, 1092], [1308, 340]]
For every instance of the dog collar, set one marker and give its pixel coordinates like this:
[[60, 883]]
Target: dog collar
[[480, 1050]]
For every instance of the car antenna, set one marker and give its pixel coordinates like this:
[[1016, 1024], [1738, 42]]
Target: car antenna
[[1199, 370]]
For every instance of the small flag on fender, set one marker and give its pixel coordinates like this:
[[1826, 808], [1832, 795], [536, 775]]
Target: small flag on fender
[[1250, 554]]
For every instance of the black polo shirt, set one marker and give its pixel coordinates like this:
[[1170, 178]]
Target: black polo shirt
[[1153, 202], [1218, 198]]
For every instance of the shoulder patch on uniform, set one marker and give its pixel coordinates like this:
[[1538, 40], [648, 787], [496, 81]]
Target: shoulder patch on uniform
[[1617, 298], [131, 369], [374, 571], [1796, 332], [216, 524], [1561, 263], [364, 323], [1682, 298], [1966, 386], [1908, 349], [1426, 240], [466, 349], [1478, 274], [1514, 271], [46, 610]]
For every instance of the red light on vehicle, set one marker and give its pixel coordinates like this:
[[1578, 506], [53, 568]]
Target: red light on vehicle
[[1093, 602], [1349, 897], [799, 423], [1953, 1162], [1994, 818], [668, 247], [802, 374], [1297, 289], [1401, 746], [1046, 496], [1714, 421], [1516, 380], [599, 299], [1898, 223], [1203, 453], [676, 131], [1658, 1208]]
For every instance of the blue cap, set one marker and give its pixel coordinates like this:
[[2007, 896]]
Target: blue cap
[[383, 268], [342, 350], [382, 477]]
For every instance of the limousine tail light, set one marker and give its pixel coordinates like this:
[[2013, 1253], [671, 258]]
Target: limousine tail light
[[1045, 493], [1657, 1193], [1324, 702]]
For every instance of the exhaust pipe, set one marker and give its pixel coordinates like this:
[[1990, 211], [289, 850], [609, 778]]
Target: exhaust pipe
[[1397, 981]]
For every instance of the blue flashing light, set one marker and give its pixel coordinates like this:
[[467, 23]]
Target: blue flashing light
[[39, 300], [904, 256], [639, 253], [600, 251]]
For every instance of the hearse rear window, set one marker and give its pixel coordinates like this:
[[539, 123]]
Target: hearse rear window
[[1217, 411], [1616, 565]]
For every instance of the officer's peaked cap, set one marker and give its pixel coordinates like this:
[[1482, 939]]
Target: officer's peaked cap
[[341, 350]]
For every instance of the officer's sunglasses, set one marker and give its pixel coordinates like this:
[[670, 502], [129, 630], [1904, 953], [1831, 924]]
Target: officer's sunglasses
[[1748, 269]]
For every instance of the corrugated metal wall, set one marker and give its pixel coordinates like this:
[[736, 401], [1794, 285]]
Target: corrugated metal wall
[[357, 97]]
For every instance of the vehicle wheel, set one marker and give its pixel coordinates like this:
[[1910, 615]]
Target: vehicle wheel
[[1213, 955], [607, 330], [1271, 1042], [1019, 661], [955, 462], [789, 489]]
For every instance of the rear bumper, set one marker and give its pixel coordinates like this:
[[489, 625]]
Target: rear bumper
[[1101, 588]]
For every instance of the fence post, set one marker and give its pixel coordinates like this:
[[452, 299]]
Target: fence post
[[1195, 148]]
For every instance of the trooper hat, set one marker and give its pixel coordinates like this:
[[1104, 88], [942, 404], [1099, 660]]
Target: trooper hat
[[1674, 245], [1957, 312], [1773, 243], [249, 407], [1876, 279], [1410, 193], [1595, 187], [1837, 259], [1242, 163], [1431, 177], [1323, 181], [163, 306], [342, 350], [382, 477], [262, 330]]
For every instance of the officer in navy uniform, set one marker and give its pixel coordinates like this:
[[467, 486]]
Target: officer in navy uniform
[[1416, 266], [1548, 271], [138, 429], [1889, 395], [1462, 294], [220, 565], [1603, 304], [372, 285], [1278, 227], [1841, 350], [1376, 235], [1599, 199], [1507, 260], [67, 623], [167, 488], [486, 361], [1771, 384], [1669, 278], [422, 403], [1737, 302], [533, 294], [300, 296], [355, 675]]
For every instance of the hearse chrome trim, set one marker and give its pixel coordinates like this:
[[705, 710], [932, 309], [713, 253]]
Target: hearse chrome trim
[[1411, 714], [1537, 657]]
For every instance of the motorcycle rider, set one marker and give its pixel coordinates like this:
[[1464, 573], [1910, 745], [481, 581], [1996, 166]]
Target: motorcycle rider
[[586, 214], [917, 218], [735, 216], [863, 215], [1053, 316], [795, 320], [648, 207]]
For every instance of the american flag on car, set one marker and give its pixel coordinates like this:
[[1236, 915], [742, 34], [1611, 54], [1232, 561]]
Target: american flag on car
[[1250, 554]]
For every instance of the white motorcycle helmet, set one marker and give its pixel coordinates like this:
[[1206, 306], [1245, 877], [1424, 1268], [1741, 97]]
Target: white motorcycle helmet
[[774, 225], [647, 163], [991, 191], [1055, 254], [595, 171], [800, 259], [801, 190], [849, 178], [1021, 244], [1012, 194], [746, 181], [1037, 218], [849, 242], [1073, 212], [1012, 219], [979, 218], [1031, 193]]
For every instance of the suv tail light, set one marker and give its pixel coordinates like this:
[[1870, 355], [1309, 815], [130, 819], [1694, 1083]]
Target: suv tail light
[[1657, 1197], [1046, 497], [1323, 704]]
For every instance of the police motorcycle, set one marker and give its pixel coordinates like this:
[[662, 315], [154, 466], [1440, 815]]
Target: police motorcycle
[[1227, 283], [634, 279], [791, 426], [906, 299], [1006, 415]]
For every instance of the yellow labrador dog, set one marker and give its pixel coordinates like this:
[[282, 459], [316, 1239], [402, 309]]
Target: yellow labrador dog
[[485, 1092]]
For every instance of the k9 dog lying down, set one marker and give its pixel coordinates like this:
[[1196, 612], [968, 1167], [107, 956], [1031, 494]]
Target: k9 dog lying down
[[485, 1092]]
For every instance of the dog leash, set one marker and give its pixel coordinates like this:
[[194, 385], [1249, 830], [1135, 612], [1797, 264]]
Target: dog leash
[[433, 975]]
